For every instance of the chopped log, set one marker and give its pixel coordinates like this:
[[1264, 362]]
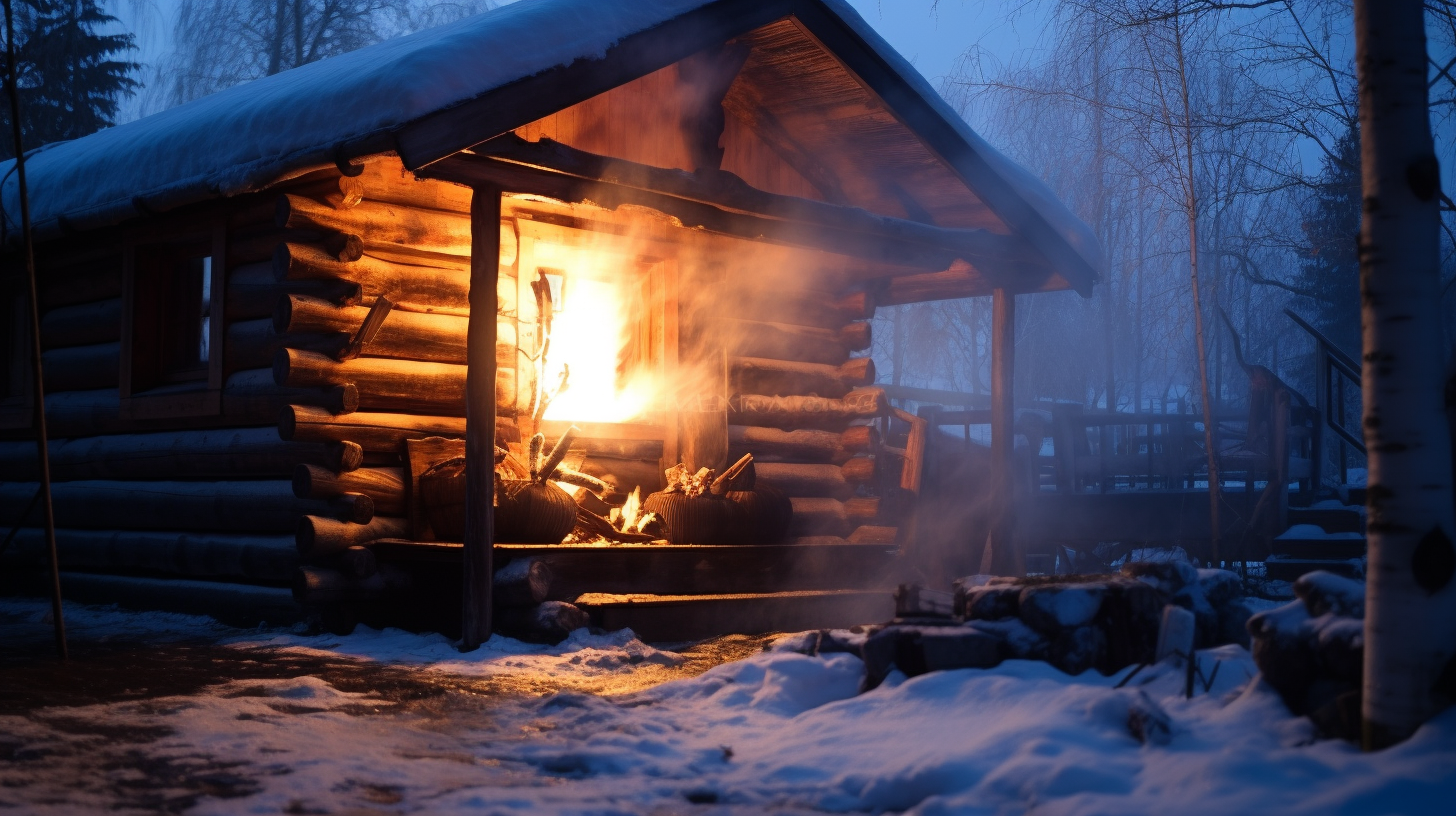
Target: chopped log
[[859, 470], [254, 393], [385, 486], [254, 343], [384, 384], [774, 445], [320, 586], [522, 582], [413, 287], [861, 438], [782, 341], [82, 368], [81, 325], [823, 481], [758, 375], [342, 457], [197, 555], [253, 293], [797, 412], [550, 622], [863, 509], [379, 223], [318, 535], [856, 336], [814, 516], [405, 335], [227, 506], [355, 507], [173, 455]]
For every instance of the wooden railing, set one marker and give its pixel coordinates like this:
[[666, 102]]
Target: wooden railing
[[1337, 378]]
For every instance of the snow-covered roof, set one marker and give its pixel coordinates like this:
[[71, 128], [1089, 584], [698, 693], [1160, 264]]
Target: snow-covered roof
[[243, 138]]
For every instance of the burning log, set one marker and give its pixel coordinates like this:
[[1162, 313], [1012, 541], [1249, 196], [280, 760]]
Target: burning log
[[522, 582], [757, 375], [549, 622], [440, 288], [797, 412], [824, 481], [424, 230], [316, 535], [385, 486], [254, 392], [405, 335], [399, 385]]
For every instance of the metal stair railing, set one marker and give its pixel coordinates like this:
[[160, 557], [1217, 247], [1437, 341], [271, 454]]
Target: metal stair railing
[[1335, 373]]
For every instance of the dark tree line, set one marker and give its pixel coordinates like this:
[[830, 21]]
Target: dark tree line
[[72, 78]]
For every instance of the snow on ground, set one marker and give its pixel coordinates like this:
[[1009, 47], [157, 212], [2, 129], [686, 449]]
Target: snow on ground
[[776, 731]]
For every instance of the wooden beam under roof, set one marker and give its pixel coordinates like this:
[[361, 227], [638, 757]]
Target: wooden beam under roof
[[722, 202]]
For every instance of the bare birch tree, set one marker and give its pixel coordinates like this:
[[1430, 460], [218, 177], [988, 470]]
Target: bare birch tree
[[1410, 617]]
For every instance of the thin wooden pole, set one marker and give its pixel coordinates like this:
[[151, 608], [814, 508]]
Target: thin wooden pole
[[1001, 555], [42, 445], [480, 410]]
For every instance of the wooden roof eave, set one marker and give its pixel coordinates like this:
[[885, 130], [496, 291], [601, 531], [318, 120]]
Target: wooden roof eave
[[724, 203]]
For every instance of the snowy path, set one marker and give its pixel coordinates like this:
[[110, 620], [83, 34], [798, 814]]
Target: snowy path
[[607, 725]]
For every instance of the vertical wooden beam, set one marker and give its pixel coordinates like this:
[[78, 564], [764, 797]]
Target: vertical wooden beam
[[1001, 555], [480, 410]]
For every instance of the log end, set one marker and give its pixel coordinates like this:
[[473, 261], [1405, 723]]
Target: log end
[[287, 423]]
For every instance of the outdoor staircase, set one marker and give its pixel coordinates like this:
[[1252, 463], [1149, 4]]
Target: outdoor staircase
[[1328, 536]]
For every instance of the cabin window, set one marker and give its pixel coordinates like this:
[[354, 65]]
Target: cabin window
[[172, 345]]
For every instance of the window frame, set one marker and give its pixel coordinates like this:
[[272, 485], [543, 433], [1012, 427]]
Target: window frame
[[183, 396]]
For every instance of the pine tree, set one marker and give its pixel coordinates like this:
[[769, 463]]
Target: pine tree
[[1329, 263], [72, 78]]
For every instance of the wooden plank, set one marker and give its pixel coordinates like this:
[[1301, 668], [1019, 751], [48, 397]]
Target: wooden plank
[[480, 416], [677, 618]]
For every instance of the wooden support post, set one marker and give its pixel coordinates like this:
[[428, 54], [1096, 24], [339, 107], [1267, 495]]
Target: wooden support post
[[480, 409], [1001, 555]]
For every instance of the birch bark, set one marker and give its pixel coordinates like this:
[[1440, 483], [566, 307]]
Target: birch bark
[[1410, 618]]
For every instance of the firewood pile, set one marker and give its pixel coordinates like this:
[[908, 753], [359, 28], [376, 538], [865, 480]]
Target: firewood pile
[[1074, 622]]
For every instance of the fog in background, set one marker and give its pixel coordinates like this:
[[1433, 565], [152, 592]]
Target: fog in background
[[1089, 96]]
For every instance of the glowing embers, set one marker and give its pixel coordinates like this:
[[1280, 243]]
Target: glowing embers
[[597, 338]]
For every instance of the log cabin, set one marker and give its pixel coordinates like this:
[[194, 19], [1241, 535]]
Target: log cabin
[[272, 318]]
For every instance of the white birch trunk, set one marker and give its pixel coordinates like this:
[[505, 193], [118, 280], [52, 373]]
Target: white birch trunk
[[1410, 619]]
